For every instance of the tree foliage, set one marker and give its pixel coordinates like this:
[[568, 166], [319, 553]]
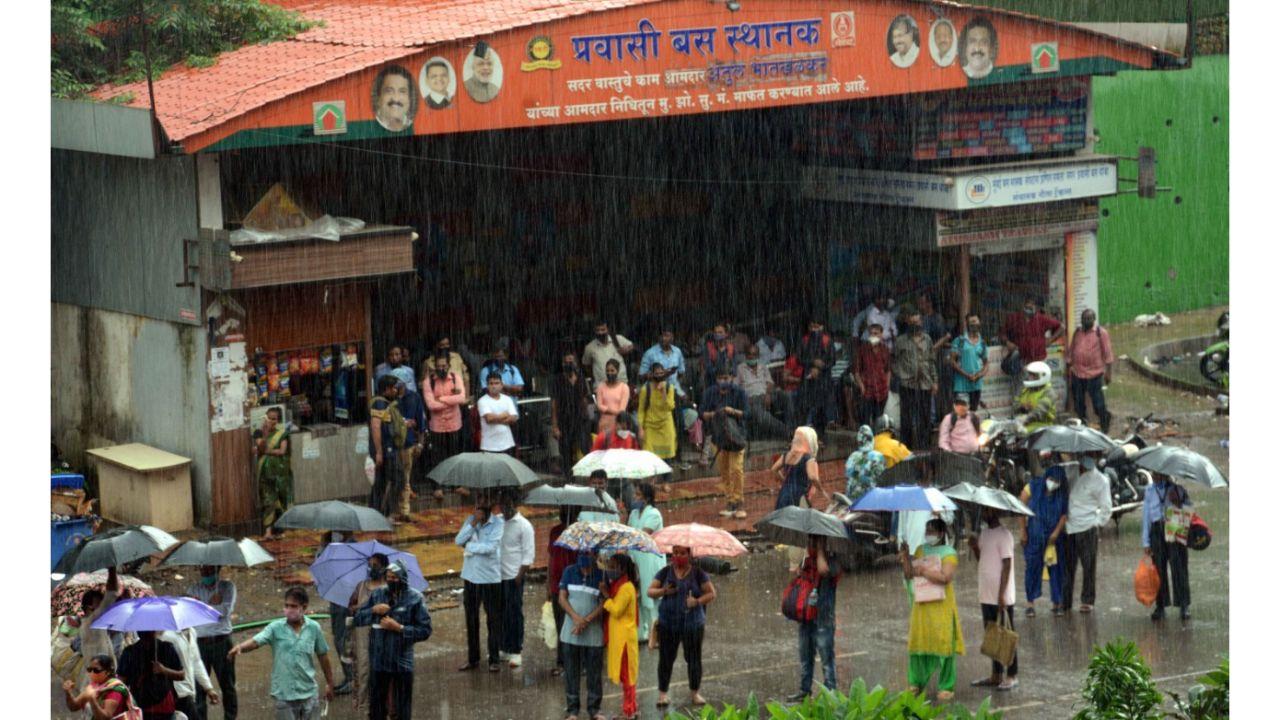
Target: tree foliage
[[100, 41]]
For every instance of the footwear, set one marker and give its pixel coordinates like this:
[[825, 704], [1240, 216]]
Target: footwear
[[1185, 613], [495, 667], [740, 514], [503, 656], [1158, 613], [945, 696], [1031, 612], [797, 697], [1086, 609], [468, 666], [439, 494], [698, 700], [1008, 684], [726, 513], [984, 682], [1059, 612], [343, 689], [557, 671], [514, 661], [663, 701]]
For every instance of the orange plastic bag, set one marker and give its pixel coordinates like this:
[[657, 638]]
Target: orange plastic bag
[[1146, 582]]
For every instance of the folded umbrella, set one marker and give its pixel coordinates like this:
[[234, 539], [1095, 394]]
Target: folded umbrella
[[941, 466], [115, 548], [1074, 437], [334, 515], [1181, 464], [157, 614], [220, 551], [570, 495], [482, 470], [792, 525], [623, 464], [65, 598], [989, 497], [904, 498], [342, 566], [702, 540], [604, 535]]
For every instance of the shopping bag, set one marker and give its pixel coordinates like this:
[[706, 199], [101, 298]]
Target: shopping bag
[[1050, 559], [1146, 582], [1000, 642], [924, 590], [550, 635]]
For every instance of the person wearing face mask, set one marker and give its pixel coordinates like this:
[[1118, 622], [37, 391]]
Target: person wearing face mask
[[666, 354], [623, 436], [935, 637], [656, 413], [879, 312], [683, 592], [622, 612], [570, 420], [1048, 499], [968, 360], [993, 551], [1163, 510], [582, 634], [1089, 360], [718, 354], [399, 619], [214, 640], [1088, 509], [648, 519], [917, 373], [339, 622], [481, 540], [455, 363], [864, 466], [359, 636], [872, 364], [151, 667], [512, 380], [1024, 332], [559, 559], [721, 403], [763, 399], [445, 394], [605, 347], [612, 397], [294, 640]]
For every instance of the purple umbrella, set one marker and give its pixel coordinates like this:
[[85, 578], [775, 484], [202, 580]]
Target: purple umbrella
[[157, 614], [341, 566]]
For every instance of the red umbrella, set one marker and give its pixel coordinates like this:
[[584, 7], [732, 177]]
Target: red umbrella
[[702, 540]]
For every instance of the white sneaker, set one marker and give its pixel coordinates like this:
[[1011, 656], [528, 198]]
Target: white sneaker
[[514, 661], [726, 513], [503, 656]]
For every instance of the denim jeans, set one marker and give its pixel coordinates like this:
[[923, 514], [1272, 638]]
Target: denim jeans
[[308, 709], [576, 659], [817, 636], [1092, 389], [512, 617], [338, 623]]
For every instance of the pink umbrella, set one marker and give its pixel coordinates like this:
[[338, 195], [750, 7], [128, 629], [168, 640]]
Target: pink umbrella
[[702, 540]]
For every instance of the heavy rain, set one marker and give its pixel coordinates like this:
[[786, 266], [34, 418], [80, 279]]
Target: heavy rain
[[639, 359]]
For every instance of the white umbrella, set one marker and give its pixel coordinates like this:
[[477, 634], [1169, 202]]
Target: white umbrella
[[624, 464]]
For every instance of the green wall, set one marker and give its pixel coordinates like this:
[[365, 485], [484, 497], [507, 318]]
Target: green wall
[[1169, 253]]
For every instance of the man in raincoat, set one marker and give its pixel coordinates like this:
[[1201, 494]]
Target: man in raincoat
[[888, 445], [275, 478], [1044, 536], [400, 615], [1037, 403], [864, 466]]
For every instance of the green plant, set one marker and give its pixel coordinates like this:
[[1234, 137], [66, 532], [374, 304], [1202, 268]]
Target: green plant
[[1209, 700], [1119, 685], [860, 703]]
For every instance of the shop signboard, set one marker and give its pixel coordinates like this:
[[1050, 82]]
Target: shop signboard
[[1082, 276], [1015, 223], [678, 58], [990, 187]]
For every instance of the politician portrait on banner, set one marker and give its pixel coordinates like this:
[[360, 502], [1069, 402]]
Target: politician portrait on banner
[[903, 41], [482, 73], [438, 83], [978, 48], [942, 43], [395, 98]]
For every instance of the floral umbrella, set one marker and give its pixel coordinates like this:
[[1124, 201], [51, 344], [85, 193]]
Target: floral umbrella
[[702, 540], [604, 535], [65, 599]]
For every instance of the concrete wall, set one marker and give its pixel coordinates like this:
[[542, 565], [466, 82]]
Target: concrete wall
[[120, 378]]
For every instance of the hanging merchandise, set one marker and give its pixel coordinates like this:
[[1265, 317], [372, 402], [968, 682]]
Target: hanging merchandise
[[309, 362], [351, 358], [341, 395], [326, 360], [295, 363]]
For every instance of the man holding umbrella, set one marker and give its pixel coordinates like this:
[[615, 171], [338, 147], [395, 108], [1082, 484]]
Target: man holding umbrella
[[1044, 532], [823, 570], [399, 618], [214, 639], [149, 667]]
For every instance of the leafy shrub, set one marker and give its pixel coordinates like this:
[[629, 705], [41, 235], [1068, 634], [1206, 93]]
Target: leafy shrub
[[859, 704], [1119, 685], [1209, 700]]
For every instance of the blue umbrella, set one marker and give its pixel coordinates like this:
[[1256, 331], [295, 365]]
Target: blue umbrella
[[904, 497], [157, 614], [341, 566]]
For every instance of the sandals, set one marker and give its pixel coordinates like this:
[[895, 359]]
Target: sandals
[[663, 702], [1086, 608], [984, 682], [945, 696], [698, 700], [1031, 612], [1008, 685]]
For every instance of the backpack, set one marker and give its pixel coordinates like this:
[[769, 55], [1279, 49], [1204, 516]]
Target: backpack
[[727, 433], [795, 598], [1199, 536], [973, 417]]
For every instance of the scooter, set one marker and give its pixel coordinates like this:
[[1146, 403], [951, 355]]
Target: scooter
[[1215, 359]]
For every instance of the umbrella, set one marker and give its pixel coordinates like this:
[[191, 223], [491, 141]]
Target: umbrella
[[334, 515], [604, 535], [990, 497], [482, 470], [574, 495], [65, 598], [219, 551], [904, 498], [156, 614], [702, 540], [1181, 464], [115, 548], [947, 467], [341, 566], [792, 525], [622, 464], [1073, 438]]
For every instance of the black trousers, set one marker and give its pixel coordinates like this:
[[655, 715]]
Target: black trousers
[[558, 612], [213, 653], [914, 417], [990, 614], [572, 439], [1171, 562], [398, 686], [1082, 549], [669, 644], [1092, 389], [489, 595], [187, 706], [869, 410], [387, 483]]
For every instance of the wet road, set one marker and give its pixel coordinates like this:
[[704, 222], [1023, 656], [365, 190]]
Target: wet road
[[751, 647]]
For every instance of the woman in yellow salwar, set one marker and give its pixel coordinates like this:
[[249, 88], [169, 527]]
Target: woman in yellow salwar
[[622, 651], [657, 423], [275, 478], [935, 639]]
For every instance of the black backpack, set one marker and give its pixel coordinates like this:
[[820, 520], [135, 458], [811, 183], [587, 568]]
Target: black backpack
[[727, 433]]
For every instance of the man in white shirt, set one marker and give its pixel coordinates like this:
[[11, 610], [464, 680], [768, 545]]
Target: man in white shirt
[[193, 673], [607, 346], [772, 350], [498, 414], [214, 640], [517, 557], [879, 313], [763, 397], [1088, 508]]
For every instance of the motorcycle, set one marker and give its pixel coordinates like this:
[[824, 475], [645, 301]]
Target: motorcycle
[[1127, 487], [1004, 444], [869, 531], [1214, 360]]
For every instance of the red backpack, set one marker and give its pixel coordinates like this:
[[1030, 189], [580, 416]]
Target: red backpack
[[802, 588]]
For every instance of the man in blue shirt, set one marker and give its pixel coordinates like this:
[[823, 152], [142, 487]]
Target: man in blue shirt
[[397, 365], [293, 640], [399, 618], [582, 635], [512, 380], [1168, 554], [481, 539], [668, 356]]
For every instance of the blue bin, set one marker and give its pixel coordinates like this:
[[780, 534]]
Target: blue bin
[[65, 535], [67, 480]]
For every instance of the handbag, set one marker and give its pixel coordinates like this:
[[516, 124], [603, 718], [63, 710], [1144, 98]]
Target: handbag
[[924, 590], [1000, 642], [1146, 581], [1199, 536]]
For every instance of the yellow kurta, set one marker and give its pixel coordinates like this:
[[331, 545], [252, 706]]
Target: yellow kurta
[[892, 450], [656, 420], [935, 626], [622, 633]]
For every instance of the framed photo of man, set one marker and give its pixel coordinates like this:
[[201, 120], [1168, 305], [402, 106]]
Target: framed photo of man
[[438, 83], [482, 73]]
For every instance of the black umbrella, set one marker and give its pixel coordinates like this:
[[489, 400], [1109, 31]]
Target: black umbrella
[[482, 470], [1075, 437], [572, 495], [334, 515], [792, 525], [947, 469], [220, 551], [115, 548], [1180, 463]]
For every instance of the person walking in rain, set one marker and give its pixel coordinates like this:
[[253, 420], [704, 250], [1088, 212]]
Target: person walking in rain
[[582, 634], [360, 635], [622, 651], [864, 466], [1089, 360], [648, 518], [294, 639], [993, 550], [1088, 509], [275, 476], [935, 638], [387, 434], [1042, 536], [683, 592], [656, 414], [214, 640], [481, 540], [400, 618], [150, 667], [1165, 508], [818, 635]]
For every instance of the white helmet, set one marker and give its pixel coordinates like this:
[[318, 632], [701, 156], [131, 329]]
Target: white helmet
[[1038, 374]]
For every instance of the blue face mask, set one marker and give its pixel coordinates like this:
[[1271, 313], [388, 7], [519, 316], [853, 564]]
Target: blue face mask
[[585, 562], [724, 384]]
